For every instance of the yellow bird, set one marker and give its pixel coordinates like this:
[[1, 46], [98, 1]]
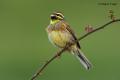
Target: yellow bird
[[60, 34]]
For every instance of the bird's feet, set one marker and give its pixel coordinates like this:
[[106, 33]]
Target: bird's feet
[[58, 55]]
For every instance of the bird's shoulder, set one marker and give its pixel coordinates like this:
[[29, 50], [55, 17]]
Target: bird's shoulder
[[67, 27]]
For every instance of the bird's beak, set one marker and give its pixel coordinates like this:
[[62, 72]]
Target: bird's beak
[[52, 16]]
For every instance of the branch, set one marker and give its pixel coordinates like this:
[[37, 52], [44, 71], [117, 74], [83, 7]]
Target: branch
[[64, 49], [99, 28]]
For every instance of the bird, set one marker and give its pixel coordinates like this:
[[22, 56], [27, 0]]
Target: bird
[[60, 35]]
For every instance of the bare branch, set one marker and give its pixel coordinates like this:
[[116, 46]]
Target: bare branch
[[99, 28], [45, 65], [64, 49]]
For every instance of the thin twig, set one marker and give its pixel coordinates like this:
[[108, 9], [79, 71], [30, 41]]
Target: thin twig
[[64, 49], [99, 28], [45, 65]]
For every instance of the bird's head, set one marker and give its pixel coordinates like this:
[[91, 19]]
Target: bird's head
[[56, 16]]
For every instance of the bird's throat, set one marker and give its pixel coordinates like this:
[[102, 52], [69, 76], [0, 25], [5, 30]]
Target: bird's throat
[[54, 21]]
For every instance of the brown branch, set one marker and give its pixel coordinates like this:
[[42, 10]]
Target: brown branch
[[64, 49], [99, 28], [45, 65]]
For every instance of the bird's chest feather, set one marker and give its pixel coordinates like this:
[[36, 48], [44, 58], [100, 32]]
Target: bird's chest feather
[[59, 38]]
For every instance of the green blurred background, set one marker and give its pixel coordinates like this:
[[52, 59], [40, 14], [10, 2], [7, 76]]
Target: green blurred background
[[24, 46]]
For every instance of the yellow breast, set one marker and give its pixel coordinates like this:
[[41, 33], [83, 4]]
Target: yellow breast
[[59, 38]]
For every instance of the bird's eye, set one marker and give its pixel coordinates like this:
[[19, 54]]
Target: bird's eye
[[58, 14]]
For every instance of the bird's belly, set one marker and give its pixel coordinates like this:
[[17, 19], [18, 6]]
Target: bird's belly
[[59, 38]]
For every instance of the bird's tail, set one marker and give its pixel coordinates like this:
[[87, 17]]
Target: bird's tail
[[81, 57]]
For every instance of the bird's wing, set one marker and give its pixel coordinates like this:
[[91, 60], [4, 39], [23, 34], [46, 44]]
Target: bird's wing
[[71, 32]]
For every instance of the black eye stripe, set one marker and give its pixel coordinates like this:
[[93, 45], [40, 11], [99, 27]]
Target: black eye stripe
[[59, 15]]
